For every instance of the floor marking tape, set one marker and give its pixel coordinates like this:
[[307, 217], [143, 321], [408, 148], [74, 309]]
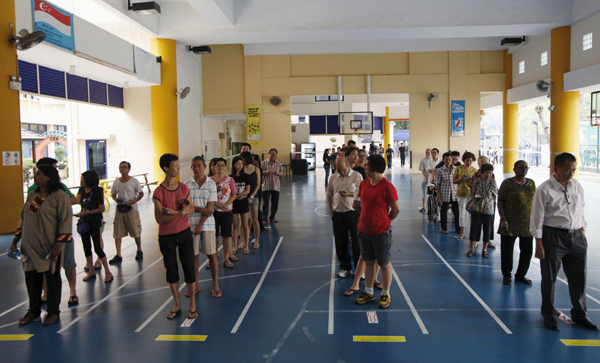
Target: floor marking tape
[[581, 343], [409, 302], [6, 337], [262, 278], [187, 323], [331, 291], [14, 307], [379, 339], [106, 297], [182, 338], [309, 335], [485, 306], [372, 317]]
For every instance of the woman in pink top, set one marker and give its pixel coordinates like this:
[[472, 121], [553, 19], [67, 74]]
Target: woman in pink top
[[172, 205], [226, 194]]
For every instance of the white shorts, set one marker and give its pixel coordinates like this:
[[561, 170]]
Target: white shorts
[[205, 242]]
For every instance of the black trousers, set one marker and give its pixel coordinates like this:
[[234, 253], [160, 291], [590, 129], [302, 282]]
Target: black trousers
[[570, 249], [93, 235], [35, 281], [507, 248], [479, 220], [402, 159], [273, 196], [444, 215], [170, 245], [344, 224]]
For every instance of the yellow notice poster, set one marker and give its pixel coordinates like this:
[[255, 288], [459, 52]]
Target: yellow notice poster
[[253, 122]]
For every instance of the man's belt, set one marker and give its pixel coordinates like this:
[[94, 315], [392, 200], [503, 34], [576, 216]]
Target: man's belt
[[564, 230]]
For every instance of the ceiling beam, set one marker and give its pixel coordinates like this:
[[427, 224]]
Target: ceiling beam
[[216, 12]]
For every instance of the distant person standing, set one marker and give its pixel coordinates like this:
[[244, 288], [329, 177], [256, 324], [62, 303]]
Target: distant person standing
[[326, 165], [272, 171], [402, 152], [127, 192], [558, 226], [389, 154], [423, 168]]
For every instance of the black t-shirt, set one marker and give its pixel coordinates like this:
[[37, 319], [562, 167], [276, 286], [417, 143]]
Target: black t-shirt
[[389, 152], [402, 150], [92, 201], [241, 181], [360, 170], [326, 160]]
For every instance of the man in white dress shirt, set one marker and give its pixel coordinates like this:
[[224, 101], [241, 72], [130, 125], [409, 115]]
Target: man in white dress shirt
[[558, 225]]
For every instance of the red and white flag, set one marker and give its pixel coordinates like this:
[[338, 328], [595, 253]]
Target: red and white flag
[[50, 15]]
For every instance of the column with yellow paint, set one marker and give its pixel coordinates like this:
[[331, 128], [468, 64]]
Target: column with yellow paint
[[386, 132], [510, 124], [564, 119], [165, 137], [10, 124]]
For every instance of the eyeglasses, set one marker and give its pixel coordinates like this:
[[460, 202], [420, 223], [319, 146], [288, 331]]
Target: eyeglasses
[[567, 196]]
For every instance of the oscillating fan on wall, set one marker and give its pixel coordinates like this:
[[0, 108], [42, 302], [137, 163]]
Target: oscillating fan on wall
[[275, 100], [183, 92], [432, 97], [26, 40]]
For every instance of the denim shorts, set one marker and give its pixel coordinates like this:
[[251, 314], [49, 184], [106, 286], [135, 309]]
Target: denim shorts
[[376, 247], [69, 255]]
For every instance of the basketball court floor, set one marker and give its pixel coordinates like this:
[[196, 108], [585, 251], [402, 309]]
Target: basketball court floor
[[282, 303]]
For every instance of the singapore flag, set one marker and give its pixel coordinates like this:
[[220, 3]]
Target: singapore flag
[[46, 13]]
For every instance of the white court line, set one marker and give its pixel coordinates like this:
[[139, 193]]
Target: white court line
[[139, 329], [3, 254], [262, 278], [106, 298], [331, 290], [13, 308], [410, 304], [485, 306]]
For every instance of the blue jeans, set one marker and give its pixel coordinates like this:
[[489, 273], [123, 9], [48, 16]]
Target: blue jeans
[[327, 167]]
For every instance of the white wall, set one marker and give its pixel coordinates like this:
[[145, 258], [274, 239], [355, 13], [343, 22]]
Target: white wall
[[211, 127], [534, 71], [302, 134], [580, 58]]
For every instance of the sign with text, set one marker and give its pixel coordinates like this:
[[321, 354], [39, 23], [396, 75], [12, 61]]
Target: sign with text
[[55, 22], [458, 118], [253, 122]]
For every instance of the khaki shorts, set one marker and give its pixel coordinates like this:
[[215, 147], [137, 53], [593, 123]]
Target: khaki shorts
[[205, 242], [127, 224]]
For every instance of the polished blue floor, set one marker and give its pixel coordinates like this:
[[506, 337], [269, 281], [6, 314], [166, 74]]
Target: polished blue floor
[[279, 303]]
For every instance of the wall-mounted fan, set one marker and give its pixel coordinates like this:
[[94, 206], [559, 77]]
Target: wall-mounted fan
[[275, 100], [432, 97], [183, 92], [543, 86], [26, 40]]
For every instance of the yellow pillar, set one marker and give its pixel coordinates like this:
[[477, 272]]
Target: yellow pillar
[[10, 137], [386, 131], [564, 120], [510, 124], [165, 138]]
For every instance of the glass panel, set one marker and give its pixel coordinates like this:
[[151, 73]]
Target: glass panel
[[97, 157]]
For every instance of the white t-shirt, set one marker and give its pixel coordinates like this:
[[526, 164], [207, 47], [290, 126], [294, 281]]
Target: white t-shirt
[[423, 167], [431, 164], [127, 191], [201, 195]]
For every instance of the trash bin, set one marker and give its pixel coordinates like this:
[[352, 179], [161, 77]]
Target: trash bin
[[299, 166]]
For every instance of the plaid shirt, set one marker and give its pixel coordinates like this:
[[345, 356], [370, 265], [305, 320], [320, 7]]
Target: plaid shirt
[[443, 177], [271, 181]]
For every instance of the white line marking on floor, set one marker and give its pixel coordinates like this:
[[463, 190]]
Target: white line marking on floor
[[3, 254], [321, 214], [9, 324], [410, 304], [372, 317], [262, 278], [293, 324], [187, 323], [485, 306], [14, 307], [106, 297], [309, 335], [331, 291]]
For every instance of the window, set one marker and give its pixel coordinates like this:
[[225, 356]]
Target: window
[[328, 98], [60, 128], [39, 129], [521, 67], [544, 59], [587, 41]]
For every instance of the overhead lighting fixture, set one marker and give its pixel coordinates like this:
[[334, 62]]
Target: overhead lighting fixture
[[511, 42], [205, 49], [145, 8]]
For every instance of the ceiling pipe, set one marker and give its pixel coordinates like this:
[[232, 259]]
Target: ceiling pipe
[[339, 88], [369, 93]]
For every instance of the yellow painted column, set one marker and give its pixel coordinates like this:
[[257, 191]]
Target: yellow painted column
[[510, 124], [386, 132], [10, 137], [564, 119], [165, 138]]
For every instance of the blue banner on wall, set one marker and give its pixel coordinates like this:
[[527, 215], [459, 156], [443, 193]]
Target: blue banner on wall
[[55, 22], [458, 118]]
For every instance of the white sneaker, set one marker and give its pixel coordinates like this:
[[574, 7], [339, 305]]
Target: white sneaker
[[342, 274]]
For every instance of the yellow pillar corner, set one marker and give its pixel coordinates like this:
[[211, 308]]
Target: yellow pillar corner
[[386, 132], [510, 122]]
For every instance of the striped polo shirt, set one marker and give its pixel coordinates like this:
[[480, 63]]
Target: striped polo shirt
[[201, 195]]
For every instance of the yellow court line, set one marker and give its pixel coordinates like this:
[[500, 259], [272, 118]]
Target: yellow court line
[[182, 338], [375, 338], [15, 336], [581, 343]]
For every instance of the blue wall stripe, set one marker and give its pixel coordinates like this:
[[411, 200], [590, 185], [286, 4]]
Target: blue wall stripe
[[317, 125], [29, 76], [378, 124], [77, 88], [333, 126], [115, 96], [98, 93], [52, 82]]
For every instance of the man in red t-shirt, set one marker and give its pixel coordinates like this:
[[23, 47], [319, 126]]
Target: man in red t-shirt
[[378, 200]]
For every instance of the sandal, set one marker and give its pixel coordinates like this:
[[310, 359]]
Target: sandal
[[444, 232], [470, 254], [172, 314], [350, 292], [227, 264], [187, 294], [485, 254], [73, 300], [217, 293], [97, 265], [193, 314], [274, 221], [241, 247], [28, 319], [50, 319], [246, 252], [460, 237], [89, 278], [256, 246], [491, 245], [378, 285], [233, 258], [110, 279]]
